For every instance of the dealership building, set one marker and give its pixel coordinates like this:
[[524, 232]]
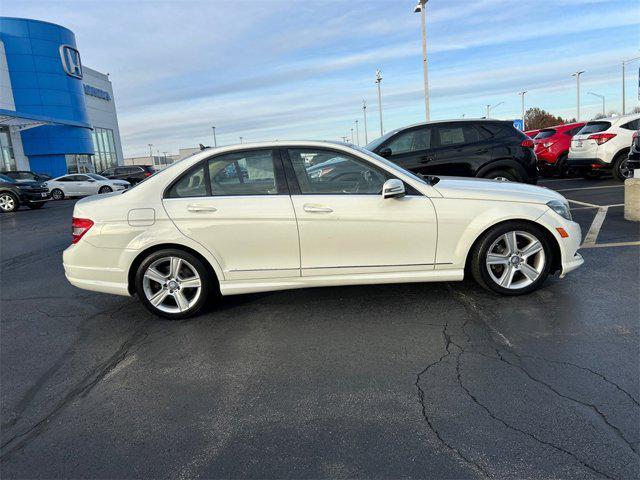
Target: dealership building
[[56, 115]]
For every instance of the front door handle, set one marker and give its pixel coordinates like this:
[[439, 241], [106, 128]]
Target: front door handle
[[317, 209], [192, 207], [427, 158]]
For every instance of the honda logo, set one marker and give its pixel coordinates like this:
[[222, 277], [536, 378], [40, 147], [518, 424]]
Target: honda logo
[[71, 61]]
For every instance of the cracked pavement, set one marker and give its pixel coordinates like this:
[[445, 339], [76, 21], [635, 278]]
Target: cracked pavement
[[392, 381]]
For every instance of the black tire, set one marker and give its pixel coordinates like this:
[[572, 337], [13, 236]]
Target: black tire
[[562, 168], [506, 174], [57, 194], [209, 286], [8, 202], [480, 269], [35, 206], [619, 167], [105, 189]]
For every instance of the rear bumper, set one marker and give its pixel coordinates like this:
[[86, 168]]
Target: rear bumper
[[586, 162]]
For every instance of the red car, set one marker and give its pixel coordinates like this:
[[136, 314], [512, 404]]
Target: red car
[[551, 145]]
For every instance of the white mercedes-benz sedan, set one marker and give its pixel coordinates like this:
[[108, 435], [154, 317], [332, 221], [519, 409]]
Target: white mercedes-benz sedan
[[281, 215]]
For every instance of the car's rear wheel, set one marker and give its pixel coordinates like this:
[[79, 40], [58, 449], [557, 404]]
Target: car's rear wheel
[[57, 194], [513, 258], [105, 189], [173, 284], [503, 175], [620, 169], [562, 168], [8, 202]]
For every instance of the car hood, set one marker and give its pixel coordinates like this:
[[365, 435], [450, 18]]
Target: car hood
[[482, 189], [29, 184]]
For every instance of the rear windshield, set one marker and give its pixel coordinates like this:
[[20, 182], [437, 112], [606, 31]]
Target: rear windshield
[[545, 134], [594, 127]]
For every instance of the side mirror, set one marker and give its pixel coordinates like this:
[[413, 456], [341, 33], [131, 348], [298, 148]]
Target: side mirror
[[393, 188], [385, 152]]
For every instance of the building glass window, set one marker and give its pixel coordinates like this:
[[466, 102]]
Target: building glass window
[[6, 151], [79, 164], [105, 147]]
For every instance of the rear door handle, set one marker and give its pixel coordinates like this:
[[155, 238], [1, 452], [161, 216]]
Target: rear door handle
[[427, 158], [316, 209], [481, 150], [192, 207]]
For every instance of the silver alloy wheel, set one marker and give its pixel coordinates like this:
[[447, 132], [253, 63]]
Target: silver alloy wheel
[[501, 179], [172, 285], [515, 260], [7, 202], [623, 168], [57, 194]]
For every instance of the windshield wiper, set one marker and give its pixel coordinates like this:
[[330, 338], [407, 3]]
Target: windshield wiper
[[430, 179]]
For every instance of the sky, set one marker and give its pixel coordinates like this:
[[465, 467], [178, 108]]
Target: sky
[[299, 69]]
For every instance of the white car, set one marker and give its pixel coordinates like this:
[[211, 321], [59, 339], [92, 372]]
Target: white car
[[250, 218], [82, 185], [604, 144]]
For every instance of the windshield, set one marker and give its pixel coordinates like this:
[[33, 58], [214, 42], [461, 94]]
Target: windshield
[[4, 178], [371, 146], [95, 176]]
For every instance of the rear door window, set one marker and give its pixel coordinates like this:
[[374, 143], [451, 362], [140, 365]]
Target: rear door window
[[594, 127], [411, 141], [632, 125], [549, 132], [250, 172]]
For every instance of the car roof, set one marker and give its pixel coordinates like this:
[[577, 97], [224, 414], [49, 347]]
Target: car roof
[[617, 118]]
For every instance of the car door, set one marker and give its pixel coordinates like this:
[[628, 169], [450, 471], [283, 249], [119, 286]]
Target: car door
[[461, 150], [85, 185], [238, 206], [345, 225], [121, 173], [67, 185], [411, 148]]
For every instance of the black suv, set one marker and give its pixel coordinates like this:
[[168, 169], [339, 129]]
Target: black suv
[[131, 173], [26, 176], [13, 194], [463, 148], [634, 152]]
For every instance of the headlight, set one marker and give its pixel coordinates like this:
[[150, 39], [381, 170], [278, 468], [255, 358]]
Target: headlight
[[561, 208], [44, 184]]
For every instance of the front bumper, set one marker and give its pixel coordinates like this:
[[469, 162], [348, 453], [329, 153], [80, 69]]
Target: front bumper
[[34, 197], [570, 259]]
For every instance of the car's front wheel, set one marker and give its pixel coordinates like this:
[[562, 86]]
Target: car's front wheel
[[8, 202], [173, 284], [105, 189], [57, 194], [513, 258]]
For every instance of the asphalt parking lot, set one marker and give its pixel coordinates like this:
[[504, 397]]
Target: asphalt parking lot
[[395, 381]]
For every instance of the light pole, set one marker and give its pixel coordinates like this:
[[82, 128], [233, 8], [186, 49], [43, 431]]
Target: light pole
[[364, 114], [165, 157], [240, 139], [624, 62], [522, 93], [491, 107], [215, 141], [378, 81], [151, 151], [577, 75], [600, 97], [357, 134], [421, 9], [352, 140]]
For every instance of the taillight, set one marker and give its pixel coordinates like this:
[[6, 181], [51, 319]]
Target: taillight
[[147, 174], [79, 226], [527, 143], [601, 138]]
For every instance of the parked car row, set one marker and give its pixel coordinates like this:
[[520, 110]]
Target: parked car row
[[34, 193]]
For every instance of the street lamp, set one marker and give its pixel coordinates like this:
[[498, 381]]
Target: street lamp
[[601, 97], [364, 114], [378, 80], [577, 75], [352, 141], [357, 134], [241, 139], [151, 151], [491, 107], [624, 62], [421, 9], [522, 93], [215, 142]]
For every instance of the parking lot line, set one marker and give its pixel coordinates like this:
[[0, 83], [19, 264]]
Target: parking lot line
[[596, 225], [590, 205], [612, 244], [588, 188]]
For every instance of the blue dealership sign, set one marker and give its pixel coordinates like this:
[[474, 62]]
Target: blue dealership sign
[[519, 124]]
